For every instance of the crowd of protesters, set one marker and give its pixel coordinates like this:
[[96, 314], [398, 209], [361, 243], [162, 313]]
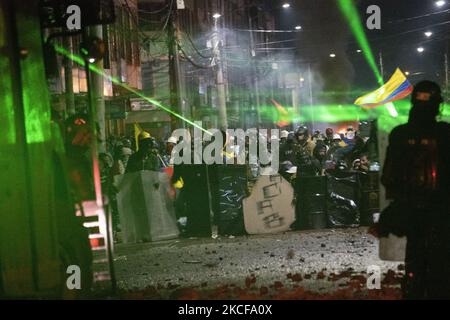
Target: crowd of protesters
[[302, 153], [415, 175]]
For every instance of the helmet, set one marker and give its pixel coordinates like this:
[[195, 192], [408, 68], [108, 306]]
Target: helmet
[[426, 92], [291, 137], [336, 137], [172, 140], [302, 130], [284, 134], [318, 148], [147, 142], [285, 166], [126, 142], [292, 170], [144, 135]]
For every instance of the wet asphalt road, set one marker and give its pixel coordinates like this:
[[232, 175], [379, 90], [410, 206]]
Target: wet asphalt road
[[320, 261]]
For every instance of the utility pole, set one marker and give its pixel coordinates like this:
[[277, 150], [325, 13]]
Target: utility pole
[[311, 102], [296, 98], [254, 69], [220, 82], [97, 92], [269, 58], [68, 80], [446, 76], [295, 103], [447, 88], [174, 69]]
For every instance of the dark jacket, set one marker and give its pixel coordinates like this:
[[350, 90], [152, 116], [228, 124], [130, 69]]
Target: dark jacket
[[417, 163], [416, 177], [139, 161]]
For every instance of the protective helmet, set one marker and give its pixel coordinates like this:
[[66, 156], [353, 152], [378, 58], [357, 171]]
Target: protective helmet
[[146, 141], [126, 142], [172, 140], [426, 93], [290, 137], [144, 135], [302, 130], [285, 166], [284, 134]]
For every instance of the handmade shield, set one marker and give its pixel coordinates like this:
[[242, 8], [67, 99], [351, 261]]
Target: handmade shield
[[269, 208]]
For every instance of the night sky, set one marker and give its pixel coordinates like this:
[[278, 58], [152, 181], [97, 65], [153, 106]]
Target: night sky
[[402, 32]]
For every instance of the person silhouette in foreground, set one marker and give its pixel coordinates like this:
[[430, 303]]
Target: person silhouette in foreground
[[416, 175]]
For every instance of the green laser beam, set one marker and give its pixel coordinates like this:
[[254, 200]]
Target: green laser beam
[[80, 61], [350, 12], [331, 113], [8, 135]]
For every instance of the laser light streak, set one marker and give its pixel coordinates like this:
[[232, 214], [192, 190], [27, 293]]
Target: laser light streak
[[394, 114], [351, 14], [93, 68]]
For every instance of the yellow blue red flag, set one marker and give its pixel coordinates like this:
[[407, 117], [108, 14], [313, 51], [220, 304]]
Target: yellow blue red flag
[[398, 87]]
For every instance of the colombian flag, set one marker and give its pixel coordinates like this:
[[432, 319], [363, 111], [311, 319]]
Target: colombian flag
[[398, 87]]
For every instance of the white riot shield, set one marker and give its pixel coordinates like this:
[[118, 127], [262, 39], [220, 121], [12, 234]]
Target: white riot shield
[[391, 248], [145, 208]]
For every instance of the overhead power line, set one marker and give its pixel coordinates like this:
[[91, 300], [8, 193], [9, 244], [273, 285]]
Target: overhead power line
[[186, 56], [195, 48], [418, 17]]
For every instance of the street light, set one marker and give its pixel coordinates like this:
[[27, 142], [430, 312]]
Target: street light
[[286, 5], [428, 34], [420, 49], [298, 27], [332, 55], [440, 3], [359, 50], [216, 15], [407, 73]]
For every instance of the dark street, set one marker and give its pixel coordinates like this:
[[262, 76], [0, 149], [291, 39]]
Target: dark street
[[224, 150], [314, 264]]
